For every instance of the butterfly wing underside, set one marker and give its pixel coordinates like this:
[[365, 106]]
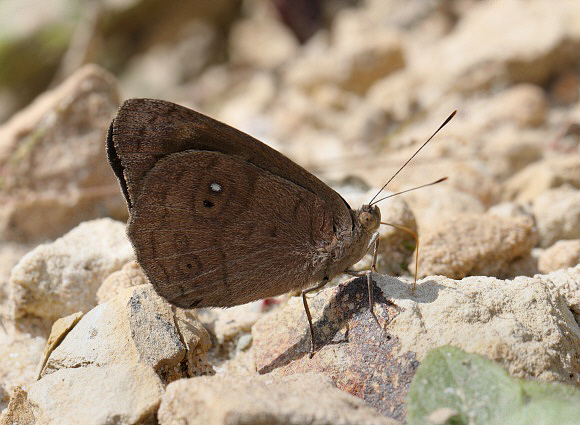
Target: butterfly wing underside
[[146, 130], [210, 229]]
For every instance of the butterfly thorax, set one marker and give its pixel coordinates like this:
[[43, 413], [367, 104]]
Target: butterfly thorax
[[348, 248]]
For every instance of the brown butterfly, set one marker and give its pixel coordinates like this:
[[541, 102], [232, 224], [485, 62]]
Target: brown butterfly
[[218, 219]]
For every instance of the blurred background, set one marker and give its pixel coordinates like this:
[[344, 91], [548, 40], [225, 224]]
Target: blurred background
[[347, 88]]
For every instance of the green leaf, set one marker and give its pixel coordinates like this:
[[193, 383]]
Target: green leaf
[[456, 388]]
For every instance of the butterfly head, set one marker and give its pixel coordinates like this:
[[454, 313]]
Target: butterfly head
[[369, 217]]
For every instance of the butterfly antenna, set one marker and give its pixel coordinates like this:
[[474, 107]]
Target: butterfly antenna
[[409, 190], [413, 156]]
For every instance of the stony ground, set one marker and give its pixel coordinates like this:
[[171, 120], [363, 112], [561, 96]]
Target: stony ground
[[349, 90]]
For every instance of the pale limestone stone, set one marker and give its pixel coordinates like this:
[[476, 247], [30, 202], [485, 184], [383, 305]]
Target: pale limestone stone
[[137, 326], [557, 213], [298, 399], [51, 154], [527, 325], [61, 278], [472, 244], [564, 253], [540, 176], [119, 393], [130, 275]]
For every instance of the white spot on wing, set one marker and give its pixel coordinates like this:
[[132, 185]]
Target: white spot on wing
[[216, 187]]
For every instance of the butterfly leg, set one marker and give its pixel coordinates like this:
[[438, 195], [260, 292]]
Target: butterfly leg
[[308, 315], [368, 274]]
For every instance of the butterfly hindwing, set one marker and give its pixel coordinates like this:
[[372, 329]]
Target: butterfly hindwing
[[210, 229]]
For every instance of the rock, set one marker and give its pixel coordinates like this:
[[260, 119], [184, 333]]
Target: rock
[[59, 331], [230, 331], [540, 176], [475, 244], [226, 325], [564, 90], [435, 203], [510, 210], [261, 41], [562, 254], [365, 125], [396, 245], [348, 63], [248, 101], [4, 398], [525, 325], [467, 175], [130, 275], [52, 158], [135, 327], [61, 278], [163, 25], [19, 354], [275, 400], [511, 58], [567, 283], [10, 254], [197, 344], [19, 410], [523, 104], [509, 149], [557, 214], [567, 138], [119, 393], [34, 41], [526, 265], [349, 346], [367, 59], [396, 94], [156, 72]]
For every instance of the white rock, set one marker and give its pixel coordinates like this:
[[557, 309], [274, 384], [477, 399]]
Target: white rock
[[119, 394], [137, 326], [526, 324], [347, 62], [524, 104], [567, 283], [262, 41], [52, 153], [433, 204], [19, 354], [564, 253], [299, 399], [557, 213], [130, 275], [540, 176], [523, 324], [61, 278], [503, 33], [475, 244]]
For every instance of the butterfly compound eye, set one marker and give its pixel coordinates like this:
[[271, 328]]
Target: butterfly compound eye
[[370, 220]]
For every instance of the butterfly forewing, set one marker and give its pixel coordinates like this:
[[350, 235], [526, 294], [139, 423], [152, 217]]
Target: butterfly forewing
[[146, 130]]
